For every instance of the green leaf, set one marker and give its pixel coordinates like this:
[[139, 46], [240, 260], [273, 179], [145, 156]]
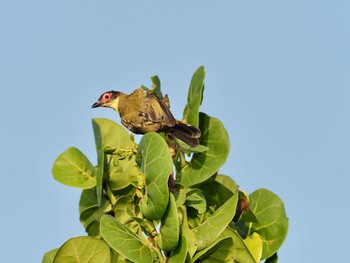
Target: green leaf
[[273, 222], [156, 87], [194, 98], [196, 199], [220, 251], [124, 241], [123, 204], [217, 193], [254, 244], [243, 254], [153, 156], [83, 249], [203, 165], [188, 233], [122, 173], [108, 133], [209, 230], [227, 182], [272, 259], [73, 168], [180, 254], [91, 212], [49, 256], [168, 238], [188, 149]]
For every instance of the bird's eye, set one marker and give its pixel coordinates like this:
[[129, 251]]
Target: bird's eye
[[106, 96]]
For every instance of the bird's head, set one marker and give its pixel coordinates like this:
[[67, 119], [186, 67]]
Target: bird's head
[[109, 99]]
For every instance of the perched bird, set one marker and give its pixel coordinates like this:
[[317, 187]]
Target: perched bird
[[142, 112]]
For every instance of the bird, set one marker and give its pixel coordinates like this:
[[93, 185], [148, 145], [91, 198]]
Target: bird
[[142, 111]]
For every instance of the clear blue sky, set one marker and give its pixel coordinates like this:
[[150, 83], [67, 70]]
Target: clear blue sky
[[277, 76]]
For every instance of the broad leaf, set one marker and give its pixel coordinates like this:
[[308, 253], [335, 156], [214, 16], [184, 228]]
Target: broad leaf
[[196, 199], [108, 133], [73, 168], [180, 254], [124, 241], [254, 244], [153, 157], [49, 256], [203, 165], [220, 251], [243, 254], [227, 181], [83, 249], [273, 222], [122, 173], [217, 193], [209, 230], [194, 98], [168, 238]]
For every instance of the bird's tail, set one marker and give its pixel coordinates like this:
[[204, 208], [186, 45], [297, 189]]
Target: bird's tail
[[186, 133]]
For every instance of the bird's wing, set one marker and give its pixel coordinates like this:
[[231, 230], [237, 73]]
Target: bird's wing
[[157, 111]]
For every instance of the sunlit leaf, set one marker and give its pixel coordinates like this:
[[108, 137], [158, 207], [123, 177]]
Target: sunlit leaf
[[254, 244], [73, 168], [168, 238], [83, 249], [272, 223], [49, 256], [124, 241], [194, 98], [209, 230], [219, 251], [153, 157], [243, 254], [180, 254], [203, 165], [109, 133]]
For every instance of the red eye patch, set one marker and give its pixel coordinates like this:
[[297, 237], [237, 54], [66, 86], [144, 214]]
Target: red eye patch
[[106, 97]]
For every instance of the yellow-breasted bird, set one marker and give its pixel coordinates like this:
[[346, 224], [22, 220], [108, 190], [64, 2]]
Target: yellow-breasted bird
[[142, 112]]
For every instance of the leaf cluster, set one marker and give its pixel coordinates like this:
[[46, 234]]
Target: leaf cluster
[[162, 201]]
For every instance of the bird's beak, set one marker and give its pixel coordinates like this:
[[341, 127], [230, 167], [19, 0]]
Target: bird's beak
[[96, 104]]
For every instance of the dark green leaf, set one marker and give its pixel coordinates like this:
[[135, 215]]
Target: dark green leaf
[[73, 168], [124, 241], [272, 259], [49, 256], [194, 98], [209, 230], [215, 192], [83, 249], [168, 238], [222, 250], [153, 157], [196, 199], [273, 222], [203, 165], [227, 182]]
